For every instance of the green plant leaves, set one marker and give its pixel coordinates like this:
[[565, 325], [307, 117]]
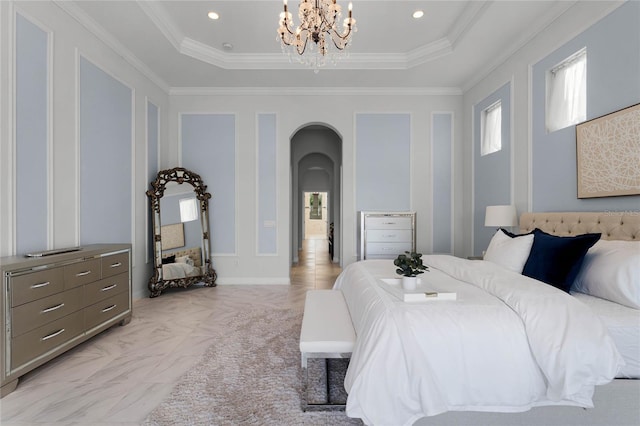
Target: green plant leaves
[[409, 264]]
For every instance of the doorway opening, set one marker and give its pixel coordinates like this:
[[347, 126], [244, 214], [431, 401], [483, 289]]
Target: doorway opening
[[315, 216], [316, 190]]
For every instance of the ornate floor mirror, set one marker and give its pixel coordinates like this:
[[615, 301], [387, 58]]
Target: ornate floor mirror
[[179, 204]]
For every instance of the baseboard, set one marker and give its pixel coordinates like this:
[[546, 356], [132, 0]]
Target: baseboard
[[253, 281]]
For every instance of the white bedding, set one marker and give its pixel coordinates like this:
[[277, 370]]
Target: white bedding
[[623, 325], [508, 343], [172, 271]]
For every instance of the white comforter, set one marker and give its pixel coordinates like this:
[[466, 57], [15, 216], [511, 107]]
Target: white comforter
[[172, 271], [508, 343]]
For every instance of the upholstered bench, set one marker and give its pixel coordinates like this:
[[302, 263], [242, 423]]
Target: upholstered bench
[[327, 332]]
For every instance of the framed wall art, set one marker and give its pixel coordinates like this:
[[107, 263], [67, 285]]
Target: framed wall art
[[172, 236], [608, 154]]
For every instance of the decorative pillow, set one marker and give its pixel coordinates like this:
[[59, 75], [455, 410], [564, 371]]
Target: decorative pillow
[[512, 235], [184, 259], [611, 270], [169, 259], [511, 253], [557, 260]]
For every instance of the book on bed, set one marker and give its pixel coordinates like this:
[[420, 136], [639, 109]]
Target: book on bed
[[420, 294]]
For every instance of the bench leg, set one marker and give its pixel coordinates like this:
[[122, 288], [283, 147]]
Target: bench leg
[[305, 405]]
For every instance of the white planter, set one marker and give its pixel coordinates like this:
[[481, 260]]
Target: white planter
[[409, 283]]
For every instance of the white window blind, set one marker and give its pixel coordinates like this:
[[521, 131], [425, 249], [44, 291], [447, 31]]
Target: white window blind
[[567, 92], [491, 129]]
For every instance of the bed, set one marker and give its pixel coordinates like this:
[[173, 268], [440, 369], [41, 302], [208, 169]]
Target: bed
[[511, 349], [182, 264]]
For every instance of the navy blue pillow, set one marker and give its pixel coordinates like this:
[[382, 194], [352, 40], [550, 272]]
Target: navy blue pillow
[[557, 260]]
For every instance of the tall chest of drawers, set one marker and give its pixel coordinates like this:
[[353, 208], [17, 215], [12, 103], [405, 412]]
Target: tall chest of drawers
[[52, 303], [385, 235]]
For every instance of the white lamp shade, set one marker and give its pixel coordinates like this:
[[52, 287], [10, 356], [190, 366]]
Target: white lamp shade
[[501, 216], [188, 209]]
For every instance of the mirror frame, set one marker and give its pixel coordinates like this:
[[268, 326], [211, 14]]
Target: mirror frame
[[179, 175]]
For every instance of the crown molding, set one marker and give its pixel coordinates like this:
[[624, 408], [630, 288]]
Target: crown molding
[[93, 27], [551, 16], [157, 13], [469, 16], [315, 91], [161, 19]]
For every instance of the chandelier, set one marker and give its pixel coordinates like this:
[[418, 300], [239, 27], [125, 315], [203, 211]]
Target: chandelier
[[318, 30]]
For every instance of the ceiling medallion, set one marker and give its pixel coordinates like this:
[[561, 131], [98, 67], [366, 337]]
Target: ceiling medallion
[[318, 37]]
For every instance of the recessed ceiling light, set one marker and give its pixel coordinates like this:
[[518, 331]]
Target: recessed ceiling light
[[227, 46], [418, 14], [213, 15]]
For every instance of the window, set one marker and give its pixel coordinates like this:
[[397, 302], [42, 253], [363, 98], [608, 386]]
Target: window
[[491, 129], [567, 92]]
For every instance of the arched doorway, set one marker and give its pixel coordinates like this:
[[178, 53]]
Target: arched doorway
[[316, 165]]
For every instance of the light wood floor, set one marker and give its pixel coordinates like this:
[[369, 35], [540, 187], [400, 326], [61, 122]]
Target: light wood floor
[[121, 375]]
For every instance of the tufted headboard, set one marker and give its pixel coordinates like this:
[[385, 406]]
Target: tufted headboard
[[612, 225], [194, 253]]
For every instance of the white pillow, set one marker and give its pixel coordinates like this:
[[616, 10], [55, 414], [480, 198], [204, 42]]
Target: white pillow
[[611, 271], [184, 259], [510, 253]]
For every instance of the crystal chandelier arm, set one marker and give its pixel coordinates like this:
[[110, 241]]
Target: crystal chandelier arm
[[319, 20]]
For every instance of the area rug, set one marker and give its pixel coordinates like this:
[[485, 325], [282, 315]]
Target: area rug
[[251, 376]]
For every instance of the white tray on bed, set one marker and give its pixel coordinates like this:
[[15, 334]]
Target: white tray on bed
[[420, 294]]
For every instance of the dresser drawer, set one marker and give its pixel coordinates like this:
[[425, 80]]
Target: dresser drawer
[[389, 235], [81, 273], [35, 285], [43, 339], [388, 222], [100, 290], [386, 250], [32, 315], [105, 310], [115, 264]]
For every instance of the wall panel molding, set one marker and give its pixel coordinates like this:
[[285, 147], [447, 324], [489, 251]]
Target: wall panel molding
[[32, 137], [266, 185], [442, 175]]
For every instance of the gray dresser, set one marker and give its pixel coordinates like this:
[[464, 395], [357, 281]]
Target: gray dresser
[[52, 303], [385, 235]]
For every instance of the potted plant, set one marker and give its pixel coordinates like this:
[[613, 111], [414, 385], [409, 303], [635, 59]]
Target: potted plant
[[409, 265]]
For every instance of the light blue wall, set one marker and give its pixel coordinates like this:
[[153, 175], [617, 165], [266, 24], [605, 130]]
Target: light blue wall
[[492, 172], [267, 236], [105, 157], [153, 147], [31, 137], [209, 149], [613, 82], [383, 163], [153, 166], [442, 128]]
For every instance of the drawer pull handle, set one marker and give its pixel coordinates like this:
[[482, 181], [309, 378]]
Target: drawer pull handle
[[82, 274], [115, 265], [53, 308], [388, 223], [57, 333], [390, 235], [44, 284], [109, 308], [109, 287]]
